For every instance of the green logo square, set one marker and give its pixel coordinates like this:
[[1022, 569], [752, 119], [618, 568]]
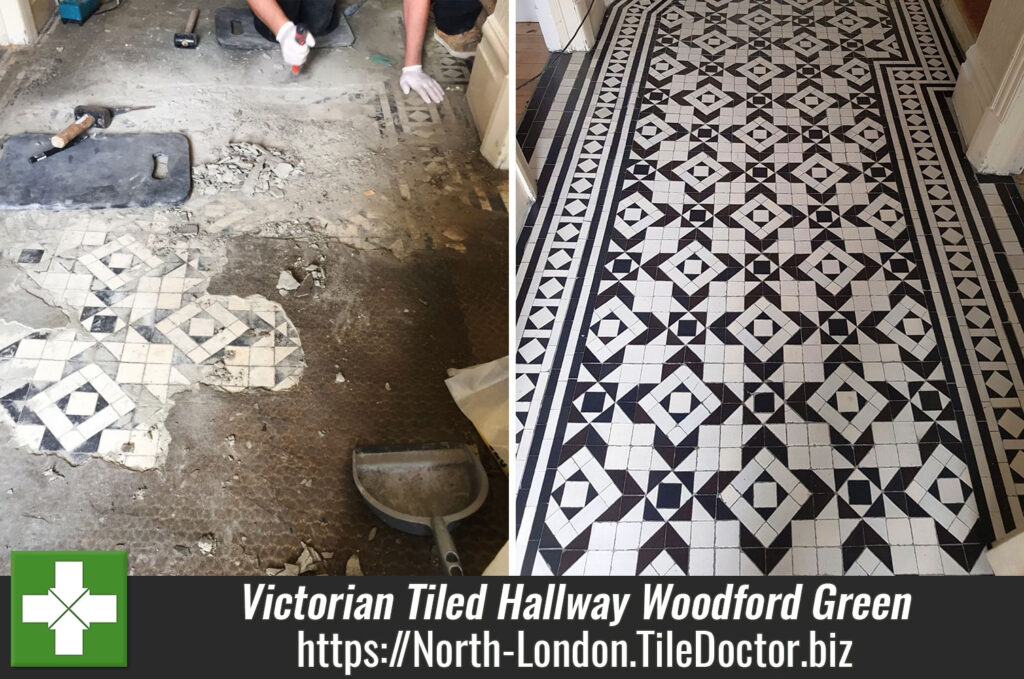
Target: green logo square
[[69, 609]]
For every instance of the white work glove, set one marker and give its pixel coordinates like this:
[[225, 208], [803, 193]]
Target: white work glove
[[294, 54], [413, 78]]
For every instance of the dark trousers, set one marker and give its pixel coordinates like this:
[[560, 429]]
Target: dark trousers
[[318, 16], [456, 16]]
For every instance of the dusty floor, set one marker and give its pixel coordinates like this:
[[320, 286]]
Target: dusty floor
[[412, 226]]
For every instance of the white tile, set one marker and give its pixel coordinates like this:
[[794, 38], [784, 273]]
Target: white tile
[[49, 371], [82, 403], [130, 373]]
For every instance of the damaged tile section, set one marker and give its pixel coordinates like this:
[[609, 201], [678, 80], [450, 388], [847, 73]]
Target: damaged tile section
[[142, 328]]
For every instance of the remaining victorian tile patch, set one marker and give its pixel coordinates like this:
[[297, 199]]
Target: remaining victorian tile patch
[[142, 329]]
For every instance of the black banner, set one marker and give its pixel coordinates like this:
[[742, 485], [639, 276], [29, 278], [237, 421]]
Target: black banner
[[368, 626]]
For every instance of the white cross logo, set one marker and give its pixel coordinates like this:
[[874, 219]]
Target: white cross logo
[[68, 608]]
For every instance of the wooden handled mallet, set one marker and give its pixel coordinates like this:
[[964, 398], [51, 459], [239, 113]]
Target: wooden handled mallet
[[87, 117], [188, 39]]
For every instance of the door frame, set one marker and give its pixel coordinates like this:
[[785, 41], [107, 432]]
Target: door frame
[[559, 20]]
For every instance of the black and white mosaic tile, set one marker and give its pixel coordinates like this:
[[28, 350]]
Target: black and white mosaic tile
[[767, 318], [143, 328]]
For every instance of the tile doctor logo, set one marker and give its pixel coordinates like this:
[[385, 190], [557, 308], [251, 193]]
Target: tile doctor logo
[[69, 609]]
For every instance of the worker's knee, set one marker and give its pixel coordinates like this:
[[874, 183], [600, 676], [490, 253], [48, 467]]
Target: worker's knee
[[317, 15]]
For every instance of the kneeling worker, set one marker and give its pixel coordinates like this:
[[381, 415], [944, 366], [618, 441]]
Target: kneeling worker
[[456, 31]]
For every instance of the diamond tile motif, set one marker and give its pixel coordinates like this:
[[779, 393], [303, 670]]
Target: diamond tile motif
[[847, 402], [796, 308], [679, 404], [707, 99], [819, 173], [909, 325], [759, 70], [71, 409], [214, 327], [761, 216], [614, 327], [701, 172], [832, 268], [635, 214], [763, 329], [765, 496], [811, 100], [692, 268], [760, 135]]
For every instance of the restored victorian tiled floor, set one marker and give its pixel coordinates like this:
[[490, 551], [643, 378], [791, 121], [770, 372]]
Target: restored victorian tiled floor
[[768, 318]]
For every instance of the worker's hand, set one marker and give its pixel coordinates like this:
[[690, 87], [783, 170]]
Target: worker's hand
[[294, 54], [413, 78]]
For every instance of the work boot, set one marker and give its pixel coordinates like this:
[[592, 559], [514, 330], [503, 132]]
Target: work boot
[[461, 46]]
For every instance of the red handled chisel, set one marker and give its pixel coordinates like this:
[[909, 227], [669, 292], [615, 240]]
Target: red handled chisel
[[300, 37]]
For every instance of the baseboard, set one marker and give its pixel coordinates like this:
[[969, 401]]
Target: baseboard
[[975, 91]]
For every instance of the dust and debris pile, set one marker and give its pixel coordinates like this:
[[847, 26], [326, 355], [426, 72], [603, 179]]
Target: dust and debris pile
[[246, 167], [309, 561], [301, 278]]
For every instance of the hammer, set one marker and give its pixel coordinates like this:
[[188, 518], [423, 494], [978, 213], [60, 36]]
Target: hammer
[[188, 40], [87, 117]]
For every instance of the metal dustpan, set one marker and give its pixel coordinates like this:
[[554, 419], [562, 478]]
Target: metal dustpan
[[423, 490]]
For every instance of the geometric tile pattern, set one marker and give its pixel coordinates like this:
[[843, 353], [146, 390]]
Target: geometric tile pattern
[[143, 329], [758, 330]]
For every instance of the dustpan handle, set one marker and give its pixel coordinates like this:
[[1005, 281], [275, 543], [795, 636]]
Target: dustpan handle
[[450, 563]]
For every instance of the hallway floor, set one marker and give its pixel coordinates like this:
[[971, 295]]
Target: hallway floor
[[160, 390], [768, 317]]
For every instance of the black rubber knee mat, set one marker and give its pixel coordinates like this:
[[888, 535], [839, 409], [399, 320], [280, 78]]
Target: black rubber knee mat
[[236, 30], [106, 171]]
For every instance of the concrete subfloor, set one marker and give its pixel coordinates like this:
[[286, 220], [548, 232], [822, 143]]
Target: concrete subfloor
[[413, 228]]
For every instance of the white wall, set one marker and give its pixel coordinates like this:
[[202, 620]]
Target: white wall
[[958, 23], [989, 95], [526, 10], [18, 25]]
